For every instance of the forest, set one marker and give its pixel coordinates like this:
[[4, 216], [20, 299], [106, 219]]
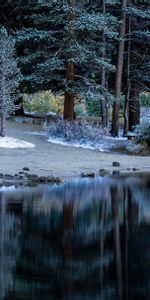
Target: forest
[[74, 149], [89, 57]]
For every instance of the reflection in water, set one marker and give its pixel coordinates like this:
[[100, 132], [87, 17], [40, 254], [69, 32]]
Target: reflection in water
[[85, 239]]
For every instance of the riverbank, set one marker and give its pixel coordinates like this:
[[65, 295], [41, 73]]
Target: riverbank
[[47, 159]]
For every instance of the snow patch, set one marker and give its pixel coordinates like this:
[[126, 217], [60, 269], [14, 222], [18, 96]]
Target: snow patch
[[87, 146], [12, 143], [38, 133]]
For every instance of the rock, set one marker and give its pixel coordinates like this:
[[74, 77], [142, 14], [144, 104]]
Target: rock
[[135, 169], [92, 175], [42, 179], [8, 176], [83, 175], [103, 172], [26, 169], [1, 175], [20, 177], [115, 164], [51, 179], [30, 176], [116, 173], [51, 113]]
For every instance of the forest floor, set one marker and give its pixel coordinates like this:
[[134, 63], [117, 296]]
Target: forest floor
[[47, 159]]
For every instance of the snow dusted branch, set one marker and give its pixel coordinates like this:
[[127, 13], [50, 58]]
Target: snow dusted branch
[[10, 77]]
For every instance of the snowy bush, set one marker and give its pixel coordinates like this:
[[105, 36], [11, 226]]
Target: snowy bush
[[142, 132], [80, 132], [145, 114]]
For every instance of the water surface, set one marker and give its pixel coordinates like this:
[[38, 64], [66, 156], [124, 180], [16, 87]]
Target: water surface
[[85, 239]]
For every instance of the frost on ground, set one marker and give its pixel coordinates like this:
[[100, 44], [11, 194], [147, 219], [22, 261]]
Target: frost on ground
[[12, 143], [88, 136]]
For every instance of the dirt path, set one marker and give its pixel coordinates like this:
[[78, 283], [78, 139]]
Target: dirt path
[[50, 159]]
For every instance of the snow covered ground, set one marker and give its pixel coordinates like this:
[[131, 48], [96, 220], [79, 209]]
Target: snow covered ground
[[12, 143], [106, 144], [89, 136], [64, 162]]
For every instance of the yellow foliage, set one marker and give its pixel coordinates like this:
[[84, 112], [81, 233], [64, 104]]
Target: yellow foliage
[[43, 102], [46, 101]]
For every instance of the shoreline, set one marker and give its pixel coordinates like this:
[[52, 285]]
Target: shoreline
[[25, 179], [53, 160]]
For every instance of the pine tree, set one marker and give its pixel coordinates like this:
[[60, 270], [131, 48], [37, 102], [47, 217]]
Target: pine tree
[[119, 71], [138, 68], [61, 50], [9, 77]]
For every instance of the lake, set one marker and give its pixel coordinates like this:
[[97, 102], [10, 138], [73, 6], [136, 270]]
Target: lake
[[84, 239]]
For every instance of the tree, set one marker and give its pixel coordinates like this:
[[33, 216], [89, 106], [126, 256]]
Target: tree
[[139, 59], [58, 47], [69, 113], [104, 108], [118, 80], [59, 50], [9, 77], [128, 88]]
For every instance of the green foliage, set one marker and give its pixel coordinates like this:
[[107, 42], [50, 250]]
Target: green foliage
[[46, 101], [80, 107], [93, 108], [145, 99], [43, 102], [47, 41]]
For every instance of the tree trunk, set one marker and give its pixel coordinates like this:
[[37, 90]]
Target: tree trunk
[[69, 97], [3, 123], [67, 248], [134, 106], [118, 80], [104, 113], [126, 107], [19, 111], [115, 214], [70, 68]]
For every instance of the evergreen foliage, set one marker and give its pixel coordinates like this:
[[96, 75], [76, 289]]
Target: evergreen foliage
[[71, 47], [9, 77], [140, 45], [48, 40]]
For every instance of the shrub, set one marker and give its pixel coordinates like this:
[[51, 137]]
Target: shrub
[[145, 99], [77, 131], [80, 107], [142, 132], [93, 108], [43, 102]]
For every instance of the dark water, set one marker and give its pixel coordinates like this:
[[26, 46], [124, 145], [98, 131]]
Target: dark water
[[85, 239]]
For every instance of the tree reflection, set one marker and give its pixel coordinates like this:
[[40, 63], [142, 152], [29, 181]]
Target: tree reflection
[[83, 246]]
